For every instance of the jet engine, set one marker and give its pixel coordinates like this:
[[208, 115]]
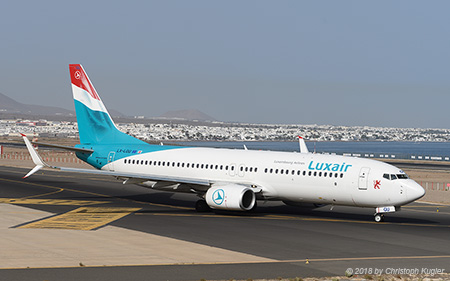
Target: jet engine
[[232, 197]]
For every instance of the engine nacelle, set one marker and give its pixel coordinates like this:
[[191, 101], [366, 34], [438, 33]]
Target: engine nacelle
[[232, 197]]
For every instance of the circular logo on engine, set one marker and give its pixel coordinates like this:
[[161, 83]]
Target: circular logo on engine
[[77, 74], [218, 196]]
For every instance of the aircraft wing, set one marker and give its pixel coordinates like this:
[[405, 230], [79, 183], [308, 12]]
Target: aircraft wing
[[156, 178]]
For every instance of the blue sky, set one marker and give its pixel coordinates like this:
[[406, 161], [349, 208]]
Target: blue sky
[[376, 63]]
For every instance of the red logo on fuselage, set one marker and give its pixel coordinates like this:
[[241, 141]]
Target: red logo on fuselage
[[376, 184]]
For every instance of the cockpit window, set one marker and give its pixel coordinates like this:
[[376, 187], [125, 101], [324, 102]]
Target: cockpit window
[[395, 176]]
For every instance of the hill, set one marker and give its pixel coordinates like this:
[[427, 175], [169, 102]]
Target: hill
[[189, 114], [8, 105]]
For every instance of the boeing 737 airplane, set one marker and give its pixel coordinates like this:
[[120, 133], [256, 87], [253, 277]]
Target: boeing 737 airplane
[[229, 179]]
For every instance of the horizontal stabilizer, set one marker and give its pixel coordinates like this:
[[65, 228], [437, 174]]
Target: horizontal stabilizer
[[71, 148]]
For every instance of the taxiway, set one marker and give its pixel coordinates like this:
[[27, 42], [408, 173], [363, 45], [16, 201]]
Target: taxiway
[[136, 233]]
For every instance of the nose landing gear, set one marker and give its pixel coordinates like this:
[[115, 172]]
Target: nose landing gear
[[379, 217], [379, 212]]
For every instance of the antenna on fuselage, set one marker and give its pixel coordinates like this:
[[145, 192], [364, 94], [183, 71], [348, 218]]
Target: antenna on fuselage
[[302, 145]]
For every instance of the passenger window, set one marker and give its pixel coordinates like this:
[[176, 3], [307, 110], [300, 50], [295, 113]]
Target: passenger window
[[342, 175], [315, 173], [281, 171], [320, 174], [325, 174], [256, 170], [304, 173], [276, 171], [271, 171], [309, 173]]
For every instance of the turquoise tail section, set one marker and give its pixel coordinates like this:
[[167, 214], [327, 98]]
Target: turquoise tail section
[[96, 127]]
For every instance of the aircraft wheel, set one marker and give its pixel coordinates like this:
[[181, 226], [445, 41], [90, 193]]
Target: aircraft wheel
[[379, 217], [201, 206]]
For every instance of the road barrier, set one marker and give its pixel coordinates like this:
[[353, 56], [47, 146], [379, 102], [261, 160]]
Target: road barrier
[[395, 156], [48, 157], [442, 186]]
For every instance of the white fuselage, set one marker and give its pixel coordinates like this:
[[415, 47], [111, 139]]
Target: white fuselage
[[287, 176]]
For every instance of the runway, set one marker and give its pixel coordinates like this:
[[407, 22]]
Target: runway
[[274, 241]]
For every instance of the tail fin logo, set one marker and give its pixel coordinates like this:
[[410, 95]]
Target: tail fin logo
[[80, 79]]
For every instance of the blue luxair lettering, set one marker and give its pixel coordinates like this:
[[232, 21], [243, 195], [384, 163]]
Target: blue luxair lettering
[[332, 167]]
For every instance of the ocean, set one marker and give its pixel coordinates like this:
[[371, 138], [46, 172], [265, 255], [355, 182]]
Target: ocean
[[399, 150]]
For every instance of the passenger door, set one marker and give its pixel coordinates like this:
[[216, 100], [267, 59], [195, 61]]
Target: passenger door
[[363, 178]]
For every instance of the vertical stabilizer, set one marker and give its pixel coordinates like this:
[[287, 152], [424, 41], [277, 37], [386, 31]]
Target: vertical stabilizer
[[95, 125]]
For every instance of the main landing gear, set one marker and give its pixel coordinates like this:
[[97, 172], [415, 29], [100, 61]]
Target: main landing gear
[[201, 206]]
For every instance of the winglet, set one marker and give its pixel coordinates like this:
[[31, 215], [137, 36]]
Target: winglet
[[302, 144], [35, 156]]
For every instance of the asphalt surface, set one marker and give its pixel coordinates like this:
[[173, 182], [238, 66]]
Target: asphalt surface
[[330, 240]]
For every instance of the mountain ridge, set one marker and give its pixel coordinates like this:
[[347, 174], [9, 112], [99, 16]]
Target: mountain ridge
[[187, 114], [10, 105]]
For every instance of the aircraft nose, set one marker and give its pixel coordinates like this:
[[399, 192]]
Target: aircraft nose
[[415, 191]]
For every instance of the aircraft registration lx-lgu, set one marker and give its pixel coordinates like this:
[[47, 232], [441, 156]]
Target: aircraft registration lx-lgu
[[229, 179]]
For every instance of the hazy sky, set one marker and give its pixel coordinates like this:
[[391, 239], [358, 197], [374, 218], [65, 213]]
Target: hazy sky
[[377, 63]]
